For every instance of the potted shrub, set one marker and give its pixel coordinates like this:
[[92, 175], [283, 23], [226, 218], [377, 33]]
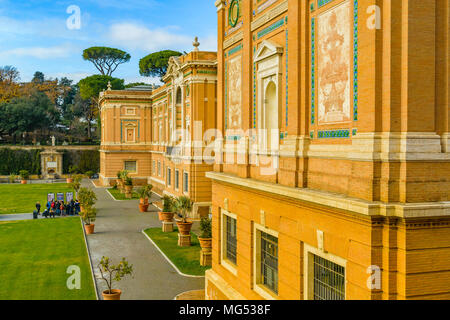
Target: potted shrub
[[184, 207], [12, 178], [72, 170], [113, 273], [144, 194], [119, 180], [128, 188], [89, 174], [89, 215], [24, 175], [205, 237], [87, 198], [168, 209], [76, 183], [123, 178]]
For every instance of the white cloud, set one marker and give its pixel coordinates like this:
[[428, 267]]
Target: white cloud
[[62, 51], [134, 36]]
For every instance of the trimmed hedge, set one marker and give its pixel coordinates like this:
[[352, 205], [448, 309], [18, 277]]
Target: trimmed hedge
[[85, 160], [12, 161]]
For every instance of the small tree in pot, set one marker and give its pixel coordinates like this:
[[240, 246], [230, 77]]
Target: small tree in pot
[[206, 234], [72, 170], [89, 215], [144, 194], [184, 207], [168, 209], [128, 188], [123, 178], [24, 175], [87, 198], [113, 273]]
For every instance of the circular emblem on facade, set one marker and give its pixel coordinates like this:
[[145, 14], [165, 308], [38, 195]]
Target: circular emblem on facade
[[233, 14]]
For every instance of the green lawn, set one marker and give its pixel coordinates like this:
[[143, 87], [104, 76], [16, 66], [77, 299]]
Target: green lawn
[[35, 255], [22, 198], [119, 196], [187, 260]]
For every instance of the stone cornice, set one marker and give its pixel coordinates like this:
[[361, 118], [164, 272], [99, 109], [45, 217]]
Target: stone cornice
[[269, 15], [341, 202]]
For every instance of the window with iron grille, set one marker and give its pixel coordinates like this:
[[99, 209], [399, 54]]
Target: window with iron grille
[[186, 182], [169, 177], [154, 167], [269, 261], [177, 179], [231, 240], [329, 280], [131, 166], [159, 168]]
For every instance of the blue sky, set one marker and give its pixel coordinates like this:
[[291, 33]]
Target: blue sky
[[34, 35]]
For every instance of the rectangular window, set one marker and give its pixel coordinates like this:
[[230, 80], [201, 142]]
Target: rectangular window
[[328, 279], [131, 166], [230, 239], [177, 179], [154, 167], [186, 182], [159, 168], [169, 177], [269, 261]]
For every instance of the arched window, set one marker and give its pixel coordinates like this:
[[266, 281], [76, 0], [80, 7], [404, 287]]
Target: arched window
[[271, 116]]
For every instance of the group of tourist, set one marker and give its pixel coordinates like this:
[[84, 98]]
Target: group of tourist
[[58, 208]]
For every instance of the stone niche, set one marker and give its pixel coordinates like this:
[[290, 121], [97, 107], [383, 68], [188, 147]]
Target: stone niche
[[51, 164]]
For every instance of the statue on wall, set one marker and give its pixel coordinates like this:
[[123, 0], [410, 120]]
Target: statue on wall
[[53, 141]]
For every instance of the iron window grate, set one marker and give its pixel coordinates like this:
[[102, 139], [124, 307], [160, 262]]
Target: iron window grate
[[329, 280], [269, 261], [231, 240]]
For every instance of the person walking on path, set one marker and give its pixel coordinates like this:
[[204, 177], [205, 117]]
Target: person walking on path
[[38, 207]]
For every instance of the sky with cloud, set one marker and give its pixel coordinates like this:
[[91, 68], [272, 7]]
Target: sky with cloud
[[34, 34]]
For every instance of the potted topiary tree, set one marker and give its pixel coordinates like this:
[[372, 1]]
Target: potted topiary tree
[[113, 273], [144, 194], [123, 178], [72, 170], [184, 207], [12, 178], [76, 183], [89, 174], [87, 198], [128, 188], [205, 237], [24, 175], [168, 209], [119, 180], [89, 215]]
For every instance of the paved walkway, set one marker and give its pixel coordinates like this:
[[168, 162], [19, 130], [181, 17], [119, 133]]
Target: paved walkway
[[118, 230]]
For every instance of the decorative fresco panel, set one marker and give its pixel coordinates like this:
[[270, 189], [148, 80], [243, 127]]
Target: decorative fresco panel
[[334, 49], [235, 93]]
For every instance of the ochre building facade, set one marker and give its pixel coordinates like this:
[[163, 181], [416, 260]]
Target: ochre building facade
[[147, 131], [333, 177]]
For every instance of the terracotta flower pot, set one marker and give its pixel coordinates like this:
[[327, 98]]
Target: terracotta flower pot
[[184, 227], [143, 201], [206, 244], [89, 228], [69, 180], [24, 182], [166, 216], [113, 296], [143, 207]]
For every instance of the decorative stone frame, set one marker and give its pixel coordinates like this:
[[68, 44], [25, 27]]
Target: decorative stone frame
[[308, 265], [269, 63], [257, 286], [231, 267]]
